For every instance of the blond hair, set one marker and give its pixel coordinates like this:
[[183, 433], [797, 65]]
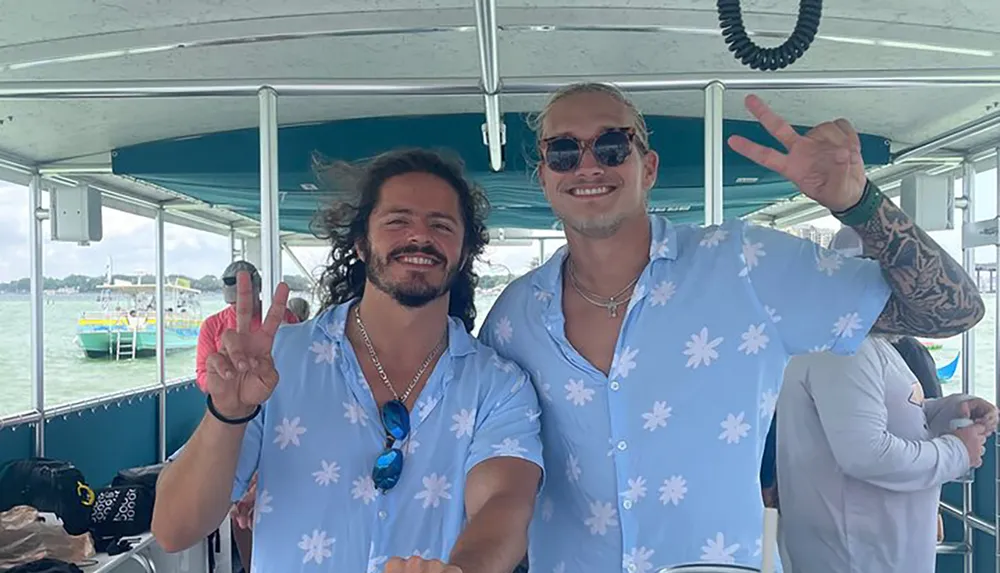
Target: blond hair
[[536, 122]]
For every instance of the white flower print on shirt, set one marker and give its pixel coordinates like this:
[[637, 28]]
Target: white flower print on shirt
[[828, 262], [623, 363], [435, 489], [465, 422], [578, 393], [636, 489], [713, 236], [375, 564], [754, 340], [355, 413], [509, 447], [325, 351], [659, 248], [364, 489], [288, 432], [700, 350], [329, 474], [573, 468], [772, 313], [716, 550], [673, 490], [548, 508], [638, 560], [662, 293], [768, 402], [657, 418], [262, 505], [504, 331], [734, 428], [317, 547], [847, 324], [602, 516], [752, 252]]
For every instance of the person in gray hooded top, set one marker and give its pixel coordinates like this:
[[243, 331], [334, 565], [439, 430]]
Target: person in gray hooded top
[[862, 456]]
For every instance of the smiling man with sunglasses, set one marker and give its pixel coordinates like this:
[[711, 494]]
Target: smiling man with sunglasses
[[384, 436], [658, 349]]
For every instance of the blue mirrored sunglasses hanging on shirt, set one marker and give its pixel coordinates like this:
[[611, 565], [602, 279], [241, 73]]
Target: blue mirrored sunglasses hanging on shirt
[[395, 417]]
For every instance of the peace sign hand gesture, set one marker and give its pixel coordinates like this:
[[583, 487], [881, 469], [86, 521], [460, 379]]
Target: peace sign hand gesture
[[825, 163], [241, 375]]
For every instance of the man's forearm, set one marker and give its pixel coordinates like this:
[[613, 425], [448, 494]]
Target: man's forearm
[[932, 295], [198, 485], [495, 540]]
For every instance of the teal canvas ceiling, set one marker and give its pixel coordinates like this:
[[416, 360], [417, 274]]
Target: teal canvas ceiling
[[223, 169]]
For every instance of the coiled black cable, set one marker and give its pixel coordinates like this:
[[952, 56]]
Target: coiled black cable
[[769, 59]]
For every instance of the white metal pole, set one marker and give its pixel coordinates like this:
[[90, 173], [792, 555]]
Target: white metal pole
[[269, 237], [37, 308], [968, 348], [713, 153], [996, 382], [161, 318]]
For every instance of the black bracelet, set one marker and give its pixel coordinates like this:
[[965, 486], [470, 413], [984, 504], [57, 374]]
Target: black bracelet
[[862, 211], [232, 421]]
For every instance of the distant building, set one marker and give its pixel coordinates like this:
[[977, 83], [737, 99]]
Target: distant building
[[817, 235]]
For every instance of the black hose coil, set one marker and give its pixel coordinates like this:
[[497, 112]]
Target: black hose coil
[[769, 59]]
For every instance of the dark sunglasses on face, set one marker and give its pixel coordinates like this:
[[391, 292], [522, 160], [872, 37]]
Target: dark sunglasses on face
[[231, 281], [389, 464], [611, 148]]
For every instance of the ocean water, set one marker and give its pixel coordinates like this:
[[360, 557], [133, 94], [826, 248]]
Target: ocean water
[[70, 377]]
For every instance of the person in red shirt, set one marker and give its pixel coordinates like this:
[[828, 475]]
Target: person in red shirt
[[210, 336]]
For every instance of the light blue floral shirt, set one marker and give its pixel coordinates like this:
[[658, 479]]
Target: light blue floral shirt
[[657, 464], [317, 437]]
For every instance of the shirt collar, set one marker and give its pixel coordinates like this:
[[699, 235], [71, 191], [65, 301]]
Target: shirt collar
[[333, 324], [547, 280]]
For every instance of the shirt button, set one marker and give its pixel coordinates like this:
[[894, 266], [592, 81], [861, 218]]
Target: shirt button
[[382, 515], [622, 445], [632, 568], [627, 504], [615, 385]]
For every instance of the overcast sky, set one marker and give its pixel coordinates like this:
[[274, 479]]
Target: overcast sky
[[129, 240]]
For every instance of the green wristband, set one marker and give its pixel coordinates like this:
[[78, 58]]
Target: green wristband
[[864, 209]]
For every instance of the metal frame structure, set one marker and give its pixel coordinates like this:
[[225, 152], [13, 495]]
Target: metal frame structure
[[491, 88]]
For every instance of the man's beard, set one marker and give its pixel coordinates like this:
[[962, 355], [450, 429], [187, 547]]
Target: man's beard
[[415, 292]]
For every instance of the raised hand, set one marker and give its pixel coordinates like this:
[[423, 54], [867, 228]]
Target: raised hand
[[418, 564], [825, 163], [241, 375]]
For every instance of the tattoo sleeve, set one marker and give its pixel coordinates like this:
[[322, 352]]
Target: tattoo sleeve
[[932, 295]]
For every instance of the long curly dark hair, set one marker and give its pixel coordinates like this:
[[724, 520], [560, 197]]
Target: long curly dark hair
[[344, 223]]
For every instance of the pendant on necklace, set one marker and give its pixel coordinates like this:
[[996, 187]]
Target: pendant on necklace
[[613, 308]]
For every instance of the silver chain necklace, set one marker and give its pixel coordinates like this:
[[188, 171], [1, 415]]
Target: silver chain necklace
[[610, 303], [378, 364]]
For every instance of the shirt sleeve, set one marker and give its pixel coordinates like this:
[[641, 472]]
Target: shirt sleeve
[[510, 427], [207, 345], [246, 465], [849, 394], [817, 299]]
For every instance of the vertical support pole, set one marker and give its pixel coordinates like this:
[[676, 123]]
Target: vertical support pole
[[235, 245], [37, 282], [541, 252], [713, 153], [270, 247], [161, 324], [996, 381], [968, 347], [494, 134]]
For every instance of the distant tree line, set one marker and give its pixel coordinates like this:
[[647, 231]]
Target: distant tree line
[[82, 283], [207, 283]]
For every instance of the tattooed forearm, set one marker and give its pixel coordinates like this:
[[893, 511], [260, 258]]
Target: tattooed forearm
[[932, 295]]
